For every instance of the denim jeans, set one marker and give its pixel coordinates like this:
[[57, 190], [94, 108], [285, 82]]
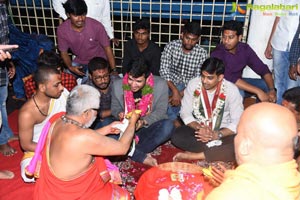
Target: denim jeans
[[281, 66], [5, 132], [151, 137], [173, 111], [257, 82], [84, 69]]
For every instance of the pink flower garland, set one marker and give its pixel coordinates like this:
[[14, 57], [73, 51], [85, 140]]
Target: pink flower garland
[[147, 95]]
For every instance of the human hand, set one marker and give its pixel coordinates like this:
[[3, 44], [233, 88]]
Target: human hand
[[293, 72], [298, 67], [121, 116], [272, 96], [77, 70], [139, 124], [175, 99], [268, 51], [109, 129], [115, 41], [11, 71], [204, 134], [262, 96], [4, 53], [135, 115], [218, 170]]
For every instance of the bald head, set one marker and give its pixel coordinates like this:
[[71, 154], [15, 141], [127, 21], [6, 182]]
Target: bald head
[[266, 134]]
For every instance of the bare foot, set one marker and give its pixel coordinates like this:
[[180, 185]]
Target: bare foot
[[188, 156], [7, 150], [149, 160], [5, 174], [14, 137]]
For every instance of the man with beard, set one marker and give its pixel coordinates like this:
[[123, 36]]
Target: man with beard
[[210, 109], [50, 98], [141, 45], [236, 56], [72, 165], [85, 37], [101, 79], [181, 61]]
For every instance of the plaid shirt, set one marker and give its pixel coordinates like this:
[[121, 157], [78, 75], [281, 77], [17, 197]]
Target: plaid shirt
[[295, 47], [179, 67], [4, 39], [67, 80]]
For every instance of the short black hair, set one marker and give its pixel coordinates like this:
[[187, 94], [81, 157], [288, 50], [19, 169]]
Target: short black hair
[[233, 25], [292, 95], [97, 63], [142, 24], [213, 65], [139, 68], [49, 59], [193, 28], [75, 7], [41, 75]]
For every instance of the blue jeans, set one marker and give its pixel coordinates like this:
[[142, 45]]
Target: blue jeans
[[5, 132], [173, 111], [281, 66], [151, 137], [84, 69], [257, 82]]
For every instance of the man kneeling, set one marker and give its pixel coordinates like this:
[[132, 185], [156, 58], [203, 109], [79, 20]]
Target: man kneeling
[[72, 164], [211, 108]]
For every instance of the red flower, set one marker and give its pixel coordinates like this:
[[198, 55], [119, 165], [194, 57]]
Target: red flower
[[196, 93], [222, 96]]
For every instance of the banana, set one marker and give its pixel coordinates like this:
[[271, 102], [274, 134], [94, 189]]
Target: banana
[[128, 115]]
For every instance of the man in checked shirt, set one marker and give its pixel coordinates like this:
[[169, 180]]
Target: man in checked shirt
[[181, 61]]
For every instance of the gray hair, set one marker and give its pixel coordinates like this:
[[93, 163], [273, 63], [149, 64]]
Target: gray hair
[[82, 98]]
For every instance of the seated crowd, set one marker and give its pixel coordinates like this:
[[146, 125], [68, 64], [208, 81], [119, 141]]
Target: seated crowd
[[180, 95]]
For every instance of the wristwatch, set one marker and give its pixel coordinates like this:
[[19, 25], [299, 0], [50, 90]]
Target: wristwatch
[[272, 89], [220, 134]]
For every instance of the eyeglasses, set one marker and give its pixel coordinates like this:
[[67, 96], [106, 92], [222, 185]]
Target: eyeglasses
[[98, 78]]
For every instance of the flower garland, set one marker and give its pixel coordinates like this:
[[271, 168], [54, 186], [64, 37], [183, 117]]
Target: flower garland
[[198, 105], [147, 95]]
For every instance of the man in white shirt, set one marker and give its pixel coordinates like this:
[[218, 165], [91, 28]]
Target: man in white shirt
[[279, 44], [210, 109], [97, 9]]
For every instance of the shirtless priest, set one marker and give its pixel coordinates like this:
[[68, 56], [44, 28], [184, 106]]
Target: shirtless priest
[[210, 109], [72, 165]]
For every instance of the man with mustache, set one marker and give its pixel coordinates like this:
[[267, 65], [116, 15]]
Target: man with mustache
[[181, 61], [85, 37], [50, 98], [236, 56], [101, 79]]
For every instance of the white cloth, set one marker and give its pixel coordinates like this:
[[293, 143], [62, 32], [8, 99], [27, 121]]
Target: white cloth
[[259, 32], [97, 9], [286, 27], [233, 105], [56, 105]]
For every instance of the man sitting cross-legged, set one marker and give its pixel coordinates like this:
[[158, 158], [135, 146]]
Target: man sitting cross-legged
[[139, 89], [50, 98], [72, 165], [211, 109], [101, 79]]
